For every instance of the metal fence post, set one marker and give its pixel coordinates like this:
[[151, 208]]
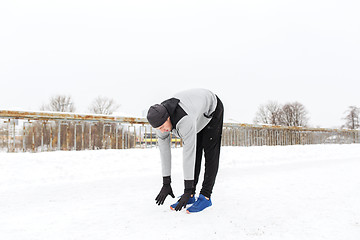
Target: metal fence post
[[58, 143]]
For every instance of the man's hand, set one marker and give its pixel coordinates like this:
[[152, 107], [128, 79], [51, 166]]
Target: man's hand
[[189, 188], [183, 201], [165, 191]]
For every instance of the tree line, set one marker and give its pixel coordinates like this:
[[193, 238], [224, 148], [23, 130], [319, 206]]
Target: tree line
[[64, 103], [295, 115]]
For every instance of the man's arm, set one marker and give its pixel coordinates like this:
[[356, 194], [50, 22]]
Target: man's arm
[[188, 134], [165, 155], [187, 131], [165, 152]]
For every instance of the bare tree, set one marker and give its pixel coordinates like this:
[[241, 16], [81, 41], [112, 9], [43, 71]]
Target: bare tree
[[103, 105], [352, 118], [291, 114], [59, 103], [270, 113], [294, 114]]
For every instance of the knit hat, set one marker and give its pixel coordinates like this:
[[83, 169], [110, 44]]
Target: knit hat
[[157, 115]]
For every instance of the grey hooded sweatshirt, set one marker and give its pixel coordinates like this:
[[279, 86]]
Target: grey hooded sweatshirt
[[190, 111]]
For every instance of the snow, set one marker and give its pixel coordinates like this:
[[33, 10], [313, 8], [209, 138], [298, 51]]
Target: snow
[[282, 192]]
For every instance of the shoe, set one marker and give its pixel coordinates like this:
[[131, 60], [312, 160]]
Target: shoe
[[191, 201], [199, 205]]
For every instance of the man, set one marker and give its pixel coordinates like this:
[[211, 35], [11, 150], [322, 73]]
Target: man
[[196, 116]]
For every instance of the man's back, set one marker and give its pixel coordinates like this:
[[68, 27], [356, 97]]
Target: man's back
[[198, 103]]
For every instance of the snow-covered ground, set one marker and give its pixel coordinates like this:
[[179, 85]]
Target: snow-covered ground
[[283, 192]]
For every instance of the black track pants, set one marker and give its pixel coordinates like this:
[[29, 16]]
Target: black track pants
[[209, 142]]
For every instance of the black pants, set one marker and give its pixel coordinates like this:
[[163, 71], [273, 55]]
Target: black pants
[[209, 142]]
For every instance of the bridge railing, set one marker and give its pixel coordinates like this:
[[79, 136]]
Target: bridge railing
[[259, 135], [25, 131]]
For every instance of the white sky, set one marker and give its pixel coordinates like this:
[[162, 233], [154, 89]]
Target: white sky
[[142, 52]]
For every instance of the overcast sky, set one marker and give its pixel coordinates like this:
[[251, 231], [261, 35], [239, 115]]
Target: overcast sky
[[142, 52]]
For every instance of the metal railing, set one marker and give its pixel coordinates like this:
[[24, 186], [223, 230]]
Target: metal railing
[[51, 131], [259, 135]]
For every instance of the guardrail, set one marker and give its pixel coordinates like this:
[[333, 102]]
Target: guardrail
[[259, 135], [50, 131]]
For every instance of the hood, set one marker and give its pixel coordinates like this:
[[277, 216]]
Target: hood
[[175, 111], [171, 105]]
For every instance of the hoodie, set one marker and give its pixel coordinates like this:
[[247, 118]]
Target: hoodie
[[190, 111]]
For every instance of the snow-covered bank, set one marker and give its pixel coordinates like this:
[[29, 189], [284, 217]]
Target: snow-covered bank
[[288, 192]]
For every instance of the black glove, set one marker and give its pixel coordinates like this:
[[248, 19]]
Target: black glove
[[165, 190], [189, 187]]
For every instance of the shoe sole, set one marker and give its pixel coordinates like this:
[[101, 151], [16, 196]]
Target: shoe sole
[[187, 211]]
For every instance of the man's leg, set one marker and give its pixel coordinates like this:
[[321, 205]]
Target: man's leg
[[212, 143], [199, 151]]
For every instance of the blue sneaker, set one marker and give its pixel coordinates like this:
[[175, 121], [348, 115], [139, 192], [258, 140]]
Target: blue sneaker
[[191, 201], [199, 205]]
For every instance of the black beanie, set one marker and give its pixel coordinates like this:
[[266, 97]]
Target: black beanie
[[157, 115]]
